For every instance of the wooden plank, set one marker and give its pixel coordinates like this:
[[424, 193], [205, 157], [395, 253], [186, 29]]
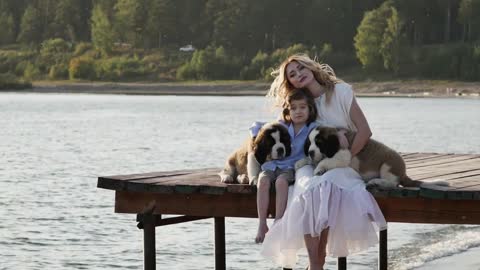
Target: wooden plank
[[239, 188], [417, 155], [227, 205], [150, 174], [176, 220], [403, 154], [118, 182], [412, 210], [430, 157], [453, 161], [461, 167], [203, 181], [402, 193], [447, 176], [422, 210], [426, 158]]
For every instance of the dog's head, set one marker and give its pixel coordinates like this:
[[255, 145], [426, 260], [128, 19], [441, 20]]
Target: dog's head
[[321, 142], [272, 142]]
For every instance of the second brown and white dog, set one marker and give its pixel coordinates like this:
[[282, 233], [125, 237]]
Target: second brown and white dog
[[244, 165], [378, 165]]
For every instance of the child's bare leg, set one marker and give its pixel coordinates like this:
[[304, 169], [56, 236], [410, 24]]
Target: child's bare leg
[[317, 250], [263, 197], [322, 249], [281, 197], [312, 244]]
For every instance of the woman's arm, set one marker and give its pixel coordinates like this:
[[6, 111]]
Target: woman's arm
[[363, 129]]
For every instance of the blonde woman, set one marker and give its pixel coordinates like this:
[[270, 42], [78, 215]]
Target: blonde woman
[[334, 208]]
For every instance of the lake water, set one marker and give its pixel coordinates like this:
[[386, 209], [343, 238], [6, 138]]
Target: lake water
[[54, 146]]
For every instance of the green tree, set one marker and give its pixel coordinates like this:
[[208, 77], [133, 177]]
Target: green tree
[[468, 16], [7, 31], [17, 9], [130, 21], [66, 20], [30, 31], [193, 23], [161, 23], [368, 40], [102, 31], [391, 45]]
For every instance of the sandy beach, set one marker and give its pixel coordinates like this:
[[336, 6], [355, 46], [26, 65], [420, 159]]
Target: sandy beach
[[411, 88]]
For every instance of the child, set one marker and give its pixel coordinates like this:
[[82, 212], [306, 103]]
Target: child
[[299, 115]]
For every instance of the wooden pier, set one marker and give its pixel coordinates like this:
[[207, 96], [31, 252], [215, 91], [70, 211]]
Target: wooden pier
[[198, 194]]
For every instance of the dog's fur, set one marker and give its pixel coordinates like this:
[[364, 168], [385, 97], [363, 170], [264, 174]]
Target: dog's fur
[[378, 165], [243, 165]]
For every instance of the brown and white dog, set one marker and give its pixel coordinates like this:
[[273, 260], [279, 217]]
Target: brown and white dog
[[378, 165], [244, 165]]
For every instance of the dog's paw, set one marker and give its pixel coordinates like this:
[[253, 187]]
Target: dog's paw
[[380, 184], [303, 162], [242, 179], [225, 178], [319, 170]]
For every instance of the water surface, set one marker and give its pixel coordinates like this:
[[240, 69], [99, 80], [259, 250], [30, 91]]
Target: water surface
[[54, 146]]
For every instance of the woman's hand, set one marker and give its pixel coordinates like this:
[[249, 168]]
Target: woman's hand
[[342, 138]]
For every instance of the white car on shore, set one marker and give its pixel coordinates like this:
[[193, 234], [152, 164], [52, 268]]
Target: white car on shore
[[187, 48]]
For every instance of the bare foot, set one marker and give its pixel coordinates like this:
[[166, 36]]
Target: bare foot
[[262, 230]]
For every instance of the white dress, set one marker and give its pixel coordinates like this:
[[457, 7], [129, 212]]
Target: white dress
[[336, 200]]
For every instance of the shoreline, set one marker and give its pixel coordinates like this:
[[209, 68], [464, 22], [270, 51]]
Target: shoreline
[[413, 88]]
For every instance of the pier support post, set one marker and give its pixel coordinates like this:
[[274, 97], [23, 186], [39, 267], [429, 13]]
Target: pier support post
[[342, 263], [383, 252], [220, 243], [149, 241]]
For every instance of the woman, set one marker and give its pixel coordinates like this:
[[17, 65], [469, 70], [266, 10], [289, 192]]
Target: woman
[[334, 208]]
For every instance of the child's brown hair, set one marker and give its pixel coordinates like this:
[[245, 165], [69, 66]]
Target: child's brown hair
[[299, 94]]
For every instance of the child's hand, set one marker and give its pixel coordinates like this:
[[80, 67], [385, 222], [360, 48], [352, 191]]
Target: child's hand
[[343, 139], [303, 162], [255, 128]]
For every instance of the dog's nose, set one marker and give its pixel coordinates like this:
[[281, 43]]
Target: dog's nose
[[280, 152], [311, 154]]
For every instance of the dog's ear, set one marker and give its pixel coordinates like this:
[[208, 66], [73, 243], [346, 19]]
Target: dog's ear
[[331, 146], [285, 139], [260, 152], [259, 148], [306, 146]]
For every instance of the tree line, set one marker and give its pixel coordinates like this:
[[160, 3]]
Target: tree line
[[242, 39]]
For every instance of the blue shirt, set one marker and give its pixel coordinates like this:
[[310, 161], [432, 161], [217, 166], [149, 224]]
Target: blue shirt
[[298, 141]]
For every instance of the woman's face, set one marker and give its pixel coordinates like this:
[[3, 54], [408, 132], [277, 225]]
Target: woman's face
[[298, 75]]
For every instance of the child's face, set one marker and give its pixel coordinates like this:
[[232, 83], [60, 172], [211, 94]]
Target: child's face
[[299, 111]]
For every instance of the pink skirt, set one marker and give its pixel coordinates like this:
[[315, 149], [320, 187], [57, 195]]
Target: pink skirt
[[336, 200]]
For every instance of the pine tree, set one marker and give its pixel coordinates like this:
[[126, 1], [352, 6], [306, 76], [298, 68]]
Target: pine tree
[[66, 20], [7, 31], [102, 30], [161, 23], [130, 21], [30, 28]]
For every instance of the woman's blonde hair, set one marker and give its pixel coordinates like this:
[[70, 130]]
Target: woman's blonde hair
[[323, 73]]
